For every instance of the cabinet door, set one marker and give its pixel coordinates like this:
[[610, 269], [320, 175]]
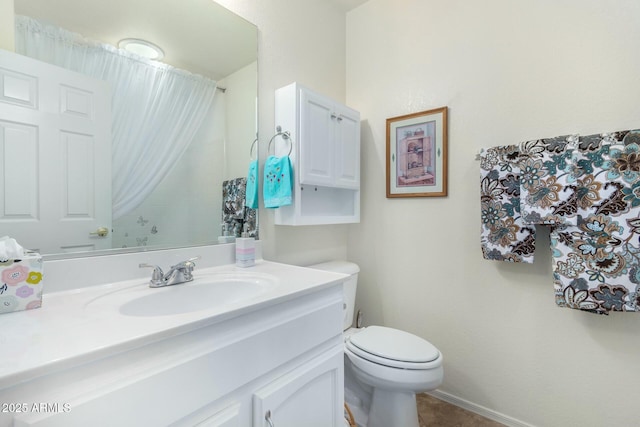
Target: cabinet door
[[317, 119], [311, 395], [347, 148]]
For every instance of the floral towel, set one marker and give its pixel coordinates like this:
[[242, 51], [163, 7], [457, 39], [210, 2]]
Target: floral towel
[[596, 262], [233, 198], [547, 174], [235, 213], [504, 236]]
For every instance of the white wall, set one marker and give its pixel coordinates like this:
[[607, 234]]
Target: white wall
[[7, 36], [240, 105], [508, 71], [300, 41]]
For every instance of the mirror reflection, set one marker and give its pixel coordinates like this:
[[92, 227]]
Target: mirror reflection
[[179, 131]]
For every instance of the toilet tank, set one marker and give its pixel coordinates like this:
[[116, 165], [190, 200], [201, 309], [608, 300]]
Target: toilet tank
[[349, 287]]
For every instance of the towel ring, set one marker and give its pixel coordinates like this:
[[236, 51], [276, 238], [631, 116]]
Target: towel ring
[[253, 145], [285, 135]]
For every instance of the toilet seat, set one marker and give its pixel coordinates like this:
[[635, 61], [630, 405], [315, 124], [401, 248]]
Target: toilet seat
[[393, 348]]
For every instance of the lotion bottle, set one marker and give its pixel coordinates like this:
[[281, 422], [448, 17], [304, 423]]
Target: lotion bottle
[[226, 236], [245, 249]]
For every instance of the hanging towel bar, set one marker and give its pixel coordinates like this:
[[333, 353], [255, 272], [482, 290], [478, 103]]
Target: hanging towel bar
[[285, 135], [572, 142]]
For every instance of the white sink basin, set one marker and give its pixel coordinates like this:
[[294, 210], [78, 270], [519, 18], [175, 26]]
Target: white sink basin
[[203, 293]]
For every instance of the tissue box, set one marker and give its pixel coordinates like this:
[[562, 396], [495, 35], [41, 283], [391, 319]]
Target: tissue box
[[21, 283]]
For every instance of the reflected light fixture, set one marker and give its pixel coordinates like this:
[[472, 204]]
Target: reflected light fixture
[[143, 48]]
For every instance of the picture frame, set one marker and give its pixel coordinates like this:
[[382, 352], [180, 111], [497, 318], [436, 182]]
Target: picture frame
[[417, 154]]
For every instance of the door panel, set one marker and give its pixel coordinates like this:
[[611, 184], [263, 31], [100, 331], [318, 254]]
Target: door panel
[[316, 129], [347, 158], [55, 137], [18, 172]]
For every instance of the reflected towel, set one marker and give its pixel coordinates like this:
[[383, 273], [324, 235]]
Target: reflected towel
[[277, 182], [252, 186], [233, 196], [504, 236]]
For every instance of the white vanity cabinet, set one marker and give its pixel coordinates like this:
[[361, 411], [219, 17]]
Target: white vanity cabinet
[[284, 359], [325, 154]]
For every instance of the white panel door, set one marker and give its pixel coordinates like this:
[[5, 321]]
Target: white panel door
[[317, 120], [347, 148], [55, 156]]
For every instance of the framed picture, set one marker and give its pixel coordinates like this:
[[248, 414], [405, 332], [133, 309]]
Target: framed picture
[[417, 154]]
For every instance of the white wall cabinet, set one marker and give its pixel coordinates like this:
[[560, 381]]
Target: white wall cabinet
[[329, 142], [285, 358], [325, 155]]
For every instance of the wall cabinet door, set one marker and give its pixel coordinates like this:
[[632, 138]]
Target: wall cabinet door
[[311, 395], [316, 139], [346, 148], [329, 142]]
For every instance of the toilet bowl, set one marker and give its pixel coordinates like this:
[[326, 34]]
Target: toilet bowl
[[384, 367]]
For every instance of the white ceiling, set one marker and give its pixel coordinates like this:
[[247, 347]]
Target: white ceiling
[[348, 5], [196, 35]]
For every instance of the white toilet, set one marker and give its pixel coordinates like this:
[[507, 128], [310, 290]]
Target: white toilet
[[384, 367]]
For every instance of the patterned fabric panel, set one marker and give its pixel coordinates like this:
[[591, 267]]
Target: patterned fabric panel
[[547, 174], [233, 198], [234, 212], [251, 221], [504, 236], [596, 262]]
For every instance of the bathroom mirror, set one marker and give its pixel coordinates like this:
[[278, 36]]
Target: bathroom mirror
[[203, 38]]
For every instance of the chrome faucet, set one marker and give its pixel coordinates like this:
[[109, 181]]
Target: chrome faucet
[[180, 273]]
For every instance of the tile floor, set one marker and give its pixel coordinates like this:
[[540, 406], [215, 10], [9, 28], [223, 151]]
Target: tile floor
[[434, 412]]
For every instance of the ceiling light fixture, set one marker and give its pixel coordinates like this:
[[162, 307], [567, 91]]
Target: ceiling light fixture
[[143, 48]]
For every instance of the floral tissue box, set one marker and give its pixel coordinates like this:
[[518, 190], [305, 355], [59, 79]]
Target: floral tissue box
[[21, 283]]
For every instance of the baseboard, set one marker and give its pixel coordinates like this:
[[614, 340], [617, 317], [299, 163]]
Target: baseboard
[[477, 409]]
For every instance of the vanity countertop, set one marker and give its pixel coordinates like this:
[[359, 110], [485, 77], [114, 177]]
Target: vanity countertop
[[80, 325]]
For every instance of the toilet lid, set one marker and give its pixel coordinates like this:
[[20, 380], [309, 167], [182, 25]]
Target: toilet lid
[[393, 344]]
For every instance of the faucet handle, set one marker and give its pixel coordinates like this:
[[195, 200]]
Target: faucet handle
[[188, 263], [156, 276], [186, 268]]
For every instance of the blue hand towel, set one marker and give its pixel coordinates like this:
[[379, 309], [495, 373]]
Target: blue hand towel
[[277, 182], [252, 186]]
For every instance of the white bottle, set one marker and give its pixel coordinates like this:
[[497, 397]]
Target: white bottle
[[245, 250], [226, 235]]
